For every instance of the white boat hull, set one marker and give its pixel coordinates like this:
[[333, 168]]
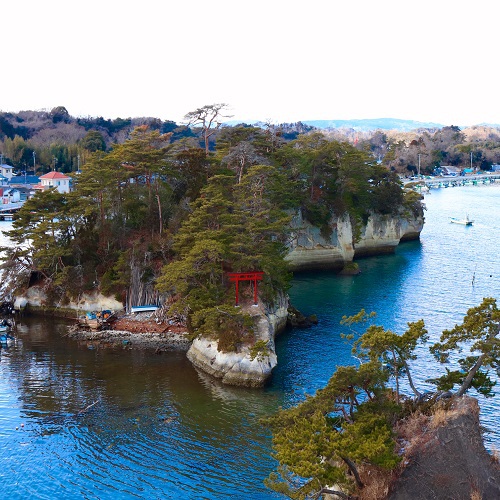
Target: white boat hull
[[138, 309], [463, 222]]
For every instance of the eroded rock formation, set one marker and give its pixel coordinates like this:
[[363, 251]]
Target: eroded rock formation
[[244, 368], [311, 249]]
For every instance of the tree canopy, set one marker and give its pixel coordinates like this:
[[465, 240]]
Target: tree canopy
[[349, 423], [478, 334]]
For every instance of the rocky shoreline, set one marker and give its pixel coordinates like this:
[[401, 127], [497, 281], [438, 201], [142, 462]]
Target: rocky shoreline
[[133, 331], [167, 341]]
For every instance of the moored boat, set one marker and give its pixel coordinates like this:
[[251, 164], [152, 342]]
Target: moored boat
[[464, 222], [146, 308]]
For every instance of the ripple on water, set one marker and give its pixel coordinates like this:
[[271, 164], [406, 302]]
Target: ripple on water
[[160, 429]]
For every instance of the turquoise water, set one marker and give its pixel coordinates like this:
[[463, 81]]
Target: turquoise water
[[77, 422], [438, 278]]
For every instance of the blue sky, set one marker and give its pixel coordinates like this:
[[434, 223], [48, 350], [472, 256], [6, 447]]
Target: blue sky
[[270, 60]]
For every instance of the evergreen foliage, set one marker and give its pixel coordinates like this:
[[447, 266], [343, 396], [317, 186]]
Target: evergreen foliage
[[320, 443], [334, 178], [479, 335], [174, 218], [233, 227]]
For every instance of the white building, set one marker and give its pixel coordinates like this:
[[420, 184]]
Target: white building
[[54, 180], [9, 195], [6, 171]]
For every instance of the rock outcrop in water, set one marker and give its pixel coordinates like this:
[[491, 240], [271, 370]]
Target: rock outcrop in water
[[310, 249], [244, 368]]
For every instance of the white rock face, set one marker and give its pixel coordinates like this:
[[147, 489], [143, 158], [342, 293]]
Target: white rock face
[[382, 234], [237, 368], [35, 296], [232, 368]]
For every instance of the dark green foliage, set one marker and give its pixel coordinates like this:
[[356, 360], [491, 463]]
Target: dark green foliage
[[412, 203], [111, 126], [350, 421], [478, 335], [228, 326], [192, 169], [80, 240], [7, 129], [336, 178], [232, 227], [94, 141], [60, 114], [319, 441]]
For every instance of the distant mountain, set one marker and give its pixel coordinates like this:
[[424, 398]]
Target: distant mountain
[[373, 124]]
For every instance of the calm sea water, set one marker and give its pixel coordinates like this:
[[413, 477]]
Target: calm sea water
[[88, 423]]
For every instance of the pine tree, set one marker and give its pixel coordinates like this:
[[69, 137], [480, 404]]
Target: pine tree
[[479, 335]]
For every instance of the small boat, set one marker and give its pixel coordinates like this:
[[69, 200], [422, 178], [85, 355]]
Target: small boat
[[6, 339], [464, 222], [100, 320], [147, 308]]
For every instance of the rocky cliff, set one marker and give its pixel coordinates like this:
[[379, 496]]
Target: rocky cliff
[[311, 249], [244, 368], [444, 457]]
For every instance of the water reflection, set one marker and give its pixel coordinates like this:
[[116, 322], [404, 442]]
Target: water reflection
[[121, 422]]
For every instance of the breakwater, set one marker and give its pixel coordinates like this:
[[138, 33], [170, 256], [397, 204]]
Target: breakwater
[[456, 180]]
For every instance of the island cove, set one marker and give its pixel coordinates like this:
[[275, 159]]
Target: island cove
[[156, 220], [311, 248]]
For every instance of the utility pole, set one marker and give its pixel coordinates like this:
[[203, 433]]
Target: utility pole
[[34, 163], [419, 164]]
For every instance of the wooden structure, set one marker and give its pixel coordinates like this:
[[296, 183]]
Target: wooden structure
[[253, 276]]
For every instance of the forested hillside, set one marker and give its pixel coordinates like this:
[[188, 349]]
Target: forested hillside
[[53, 139]]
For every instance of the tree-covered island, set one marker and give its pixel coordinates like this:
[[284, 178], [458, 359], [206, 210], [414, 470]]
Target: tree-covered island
[[162, 217]]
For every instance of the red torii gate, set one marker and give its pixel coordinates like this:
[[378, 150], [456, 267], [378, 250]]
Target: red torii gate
[[237, 277]]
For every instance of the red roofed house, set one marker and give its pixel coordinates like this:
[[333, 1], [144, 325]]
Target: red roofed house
[[54, 179]]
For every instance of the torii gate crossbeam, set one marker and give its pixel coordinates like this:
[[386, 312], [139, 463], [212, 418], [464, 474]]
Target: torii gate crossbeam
[[237, 277]]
